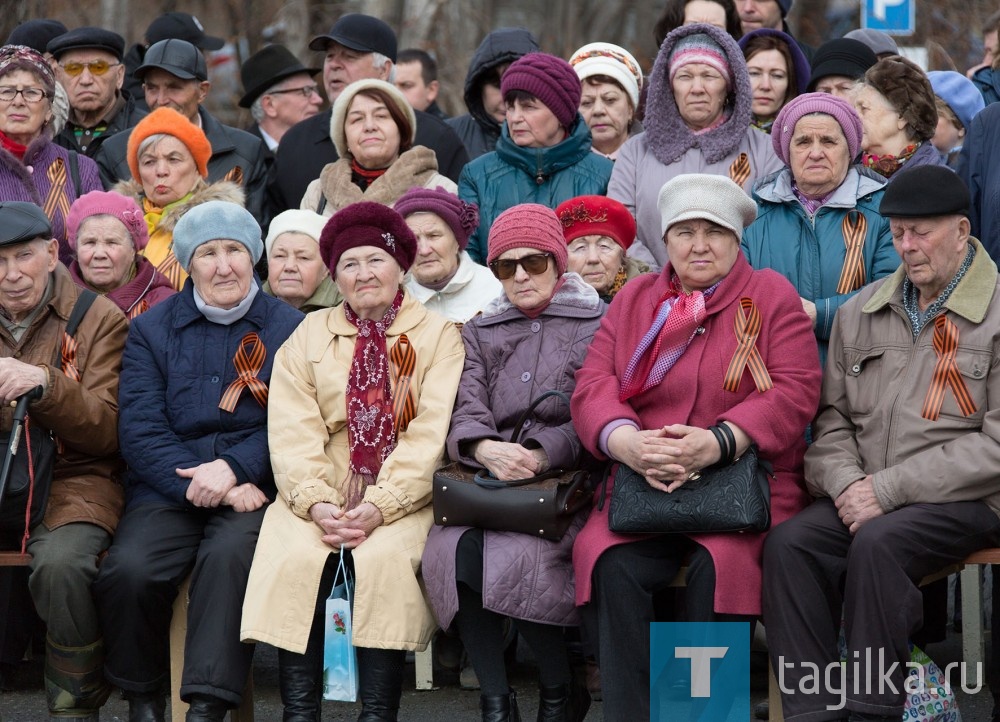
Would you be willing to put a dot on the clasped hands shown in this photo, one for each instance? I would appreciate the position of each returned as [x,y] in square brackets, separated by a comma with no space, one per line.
[507,461]
[346,528]
[214,484]
[858,504]
[666,456]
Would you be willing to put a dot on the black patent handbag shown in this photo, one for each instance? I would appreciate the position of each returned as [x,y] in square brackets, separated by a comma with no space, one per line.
[731,498]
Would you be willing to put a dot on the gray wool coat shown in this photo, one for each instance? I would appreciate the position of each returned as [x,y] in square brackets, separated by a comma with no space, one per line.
[510,360]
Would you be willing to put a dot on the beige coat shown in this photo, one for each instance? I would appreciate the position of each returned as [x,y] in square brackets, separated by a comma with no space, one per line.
[307,433]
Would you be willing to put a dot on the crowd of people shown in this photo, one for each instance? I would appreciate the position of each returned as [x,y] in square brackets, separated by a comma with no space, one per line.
[253,349]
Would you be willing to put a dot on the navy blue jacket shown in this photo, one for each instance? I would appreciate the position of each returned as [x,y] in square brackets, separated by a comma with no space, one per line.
[978,166]
[176,367]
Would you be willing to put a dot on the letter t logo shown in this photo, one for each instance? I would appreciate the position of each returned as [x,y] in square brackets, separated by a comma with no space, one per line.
[701,666]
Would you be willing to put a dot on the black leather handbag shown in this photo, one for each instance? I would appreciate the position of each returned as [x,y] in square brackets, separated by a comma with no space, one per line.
[542,505]
[731,498]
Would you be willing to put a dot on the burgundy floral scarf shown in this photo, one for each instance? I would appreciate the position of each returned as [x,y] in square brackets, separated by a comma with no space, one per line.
[371,432]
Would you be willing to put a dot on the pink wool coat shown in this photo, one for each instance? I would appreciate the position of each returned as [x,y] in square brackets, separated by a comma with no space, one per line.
[692,393]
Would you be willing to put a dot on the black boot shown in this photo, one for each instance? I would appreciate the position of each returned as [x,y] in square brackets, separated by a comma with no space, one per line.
[380,683]
[300,681]
[206,708]
[500,708]
[146,707]
[564,703]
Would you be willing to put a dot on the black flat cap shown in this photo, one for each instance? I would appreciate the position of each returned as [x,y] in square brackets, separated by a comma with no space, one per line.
[363,33]
[925,191]
[177,57]
[181,26]
[86,38]
[267,67]
[21,222]
[36,34]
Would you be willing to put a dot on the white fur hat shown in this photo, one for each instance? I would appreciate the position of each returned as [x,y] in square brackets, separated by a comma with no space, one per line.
[713,198]
[613,61]
[343,102]
[294,221]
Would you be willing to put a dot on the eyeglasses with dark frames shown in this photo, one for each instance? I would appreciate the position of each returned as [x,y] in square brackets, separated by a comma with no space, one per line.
[533,264]
[31,95]
[306,91]
[96,67]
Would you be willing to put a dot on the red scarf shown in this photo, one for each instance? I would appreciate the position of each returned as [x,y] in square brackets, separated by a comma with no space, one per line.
[886,165]
[371,431]
[365,175]
[13,147]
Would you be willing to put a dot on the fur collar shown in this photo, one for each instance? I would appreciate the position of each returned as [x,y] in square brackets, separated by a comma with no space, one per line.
[414,168]
[666,133]
[575,299]
[203,192]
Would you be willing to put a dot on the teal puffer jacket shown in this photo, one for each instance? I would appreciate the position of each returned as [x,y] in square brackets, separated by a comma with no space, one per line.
[511,175]
[809,251]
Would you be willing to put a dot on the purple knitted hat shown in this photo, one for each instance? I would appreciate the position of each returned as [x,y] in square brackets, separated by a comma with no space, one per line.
[550,79]
[528,225]
[462,218]
[832,105]
[367,224]
[101,203]
[699,48]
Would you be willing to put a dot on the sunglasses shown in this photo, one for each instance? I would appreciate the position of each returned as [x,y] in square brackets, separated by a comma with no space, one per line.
[533,264]
[96,67]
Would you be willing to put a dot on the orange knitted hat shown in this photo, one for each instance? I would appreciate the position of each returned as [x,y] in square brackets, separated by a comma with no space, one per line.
[169,122]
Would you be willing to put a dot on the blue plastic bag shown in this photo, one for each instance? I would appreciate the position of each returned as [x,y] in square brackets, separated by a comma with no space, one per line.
[340,661]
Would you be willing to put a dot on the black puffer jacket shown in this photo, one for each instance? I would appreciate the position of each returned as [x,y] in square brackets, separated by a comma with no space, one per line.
[477,128]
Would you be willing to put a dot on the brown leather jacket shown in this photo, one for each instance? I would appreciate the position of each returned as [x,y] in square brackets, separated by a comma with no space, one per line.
[83,415]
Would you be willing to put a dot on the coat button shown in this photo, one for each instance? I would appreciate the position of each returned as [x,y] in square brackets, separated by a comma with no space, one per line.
[215,379]
[977,372]
[856,369]
[535,327]
[527,424]
[526,377]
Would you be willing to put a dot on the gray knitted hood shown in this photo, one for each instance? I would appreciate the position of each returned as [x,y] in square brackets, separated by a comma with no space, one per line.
[666,133]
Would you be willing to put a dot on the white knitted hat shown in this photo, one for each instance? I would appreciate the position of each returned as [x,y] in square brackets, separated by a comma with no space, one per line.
[295,221]
[613,61]
[710,197]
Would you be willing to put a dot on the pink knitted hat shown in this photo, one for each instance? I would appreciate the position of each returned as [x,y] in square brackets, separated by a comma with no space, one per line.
[700,48]
[550,79]
[838,108]
[528,225]
[101,203]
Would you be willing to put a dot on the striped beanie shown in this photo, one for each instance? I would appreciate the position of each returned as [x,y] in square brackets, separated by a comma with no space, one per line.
[699,48]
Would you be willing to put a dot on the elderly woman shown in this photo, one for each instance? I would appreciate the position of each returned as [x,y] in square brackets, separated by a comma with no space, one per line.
[192,422]
[543,155]
[443,276]
[657,414]
[32,167]
[361,399]
[598,231]
[721,13]
[611,80]
[697,121]
[818,222]
[372,128]
[168,157]
[107,232]
[544,322]
[838,65]
[296,272]
[896,104]
[778,72]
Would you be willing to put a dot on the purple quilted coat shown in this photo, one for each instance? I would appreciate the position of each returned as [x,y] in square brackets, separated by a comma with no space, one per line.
[511,359]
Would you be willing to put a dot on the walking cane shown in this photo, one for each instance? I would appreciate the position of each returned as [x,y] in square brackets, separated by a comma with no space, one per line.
[20,411]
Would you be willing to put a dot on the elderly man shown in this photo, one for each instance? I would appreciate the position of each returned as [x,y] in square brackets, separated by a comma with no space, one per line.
[174,74]
[357,46]
[757,14]
[904,462]
[89,66]
[79,406]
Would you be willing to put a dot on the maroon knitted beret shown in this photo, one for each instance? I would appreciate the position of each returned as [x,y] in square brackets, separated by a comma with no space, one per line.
[367,224]
[462,218]
[550,79]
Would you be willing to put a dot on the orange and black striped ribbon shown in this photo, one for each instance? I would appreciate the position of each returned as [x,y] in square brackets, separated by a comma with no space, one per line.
[171,268]
[138,309]
[249,360]
[404,358]
[747,324]
[56,197]
[739,171]
[852,275]
[235,175]
[69,367]
[946,373]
